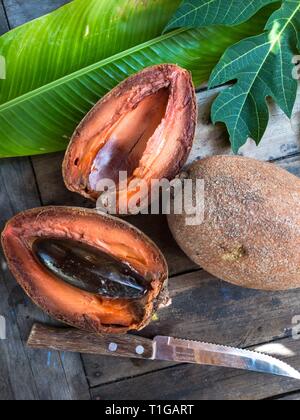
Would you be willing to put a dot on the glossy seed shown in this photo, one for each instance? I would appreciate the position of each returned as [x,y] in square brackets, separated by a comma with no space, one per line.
[89,269]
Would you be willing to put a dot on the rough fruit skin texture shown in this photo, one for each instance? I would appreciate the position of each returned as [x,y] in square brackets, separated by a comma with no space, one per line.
[251,233]
[66,303]
[167,148]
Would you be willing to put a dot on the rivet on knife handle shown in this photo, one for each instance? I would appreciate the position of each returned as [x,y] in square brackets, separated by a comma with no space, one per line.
[76,341]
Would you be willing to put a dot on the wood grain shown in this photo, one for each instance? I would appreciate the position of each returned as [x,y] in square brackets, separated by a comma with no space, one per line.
[281,139]
[294,396]
[3,22]
[22,11]
[45,375]
[76,341]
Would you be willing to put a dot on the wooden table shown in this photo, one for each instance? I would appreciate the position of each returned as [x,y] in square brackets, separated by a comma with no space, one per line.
[204,308]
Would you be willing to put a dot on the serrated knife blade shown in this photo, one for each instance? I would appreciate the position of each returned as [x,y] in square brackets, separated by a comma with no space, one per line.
[185,351]
[161,348]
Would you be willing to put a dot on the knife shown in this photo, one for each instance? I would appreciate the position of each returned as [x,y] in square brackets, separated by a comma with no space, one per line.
[160,348]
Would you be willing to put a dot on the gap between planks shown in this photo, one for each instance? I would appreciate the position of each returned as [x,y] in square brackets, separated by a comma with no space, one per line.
[290,396]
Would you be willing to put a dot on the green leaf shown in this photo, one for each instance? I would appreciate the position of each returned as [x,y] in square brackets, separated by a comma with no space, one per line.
[43,119]
[75,36]
[263,67]
[199,13]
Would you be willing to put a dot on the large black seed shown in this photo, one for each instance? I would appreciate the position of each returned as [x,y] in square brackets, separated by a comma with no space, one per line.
[89,269]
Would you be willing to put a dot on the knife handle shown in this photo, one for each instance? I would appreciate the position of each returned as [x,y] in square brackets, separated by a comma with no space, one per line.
[76,341]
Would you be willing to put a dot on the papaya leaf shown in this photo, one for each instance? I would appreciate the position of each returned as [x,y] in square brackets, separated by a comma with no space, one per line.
[199,13]
[43,119]
[263,67]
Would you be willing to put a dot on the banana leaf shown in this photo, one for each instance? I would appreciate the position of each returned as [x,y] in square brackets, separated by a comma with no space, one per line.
[43,119]
[76,35]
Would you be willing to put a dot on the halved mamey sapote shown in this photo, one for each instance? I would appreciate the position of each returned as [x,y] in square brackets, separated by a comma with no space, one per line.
[251,230]
[89,270]
[144,127]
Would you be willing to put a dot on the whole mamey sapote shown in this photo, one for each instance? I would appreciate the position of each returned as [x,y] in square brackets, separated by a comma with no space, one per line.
[250,235]
[144,127]
[89,270]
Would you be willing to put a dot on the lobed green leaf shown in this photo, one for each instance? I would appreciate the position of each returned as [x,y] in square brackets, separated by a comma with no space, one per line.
[200,13]
[42,119]
[263,67]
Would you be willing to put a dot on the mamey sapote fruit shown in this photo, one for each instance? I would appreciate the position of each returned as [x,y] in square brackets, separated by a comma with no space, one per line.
[145,127]
[250,235]
[89,270]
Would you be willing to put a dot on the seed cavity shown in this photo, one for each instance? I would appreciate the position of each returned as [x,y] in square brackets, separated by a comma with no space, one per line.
[127,142]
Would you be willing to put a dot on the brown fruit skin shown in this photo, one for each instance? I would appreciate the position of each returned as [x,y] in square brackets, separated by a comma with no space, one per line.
[251,233]
[66,303]
[178,131]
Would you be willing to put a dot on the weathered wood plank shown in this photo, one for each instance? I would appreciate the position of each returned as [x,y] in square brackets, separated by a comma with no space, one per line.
[72,340]
[291,165]
[186,382]
[48,169]
[14,358]
[46,376]
[3,22]
[27,374]
[203,309]
[282,137]
[20,12]
[15,369]
[295,396]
